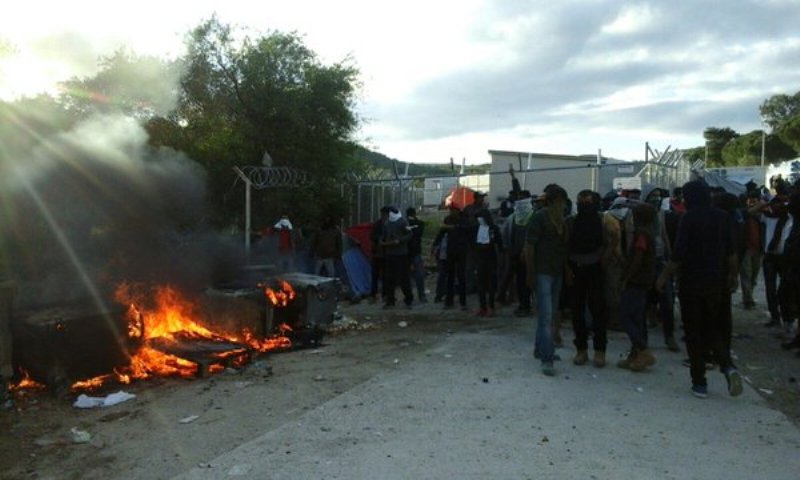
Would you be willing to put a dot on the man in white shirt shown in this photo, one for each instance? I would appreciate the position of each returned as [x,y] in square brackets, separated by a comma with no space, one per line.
[778,224]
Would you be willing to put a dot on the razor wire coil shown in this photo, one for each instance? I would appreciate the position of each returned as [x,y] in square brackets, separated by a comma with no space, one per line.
[272,177]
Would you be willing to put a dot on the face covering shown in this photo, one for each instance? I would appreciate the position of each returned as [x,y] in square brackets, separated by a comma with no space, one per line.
[394,216]
[284,223]
[481,221]
[522,208]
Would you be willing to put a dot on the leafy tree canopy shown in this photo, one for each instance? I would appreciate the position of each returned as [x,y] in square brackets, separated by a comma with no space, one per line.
[745,150]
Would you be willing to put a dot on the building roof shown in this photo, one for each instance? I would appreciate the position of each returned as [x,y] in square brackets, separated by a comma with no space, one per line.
[554,156]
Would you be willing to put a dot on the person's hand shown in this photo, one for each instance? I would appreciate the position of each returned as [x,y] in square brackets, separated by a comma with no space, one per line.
[511,169]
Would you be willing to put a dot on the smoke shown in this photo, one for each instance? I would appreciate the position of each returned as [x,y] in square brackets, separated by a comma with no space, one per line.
[95,206]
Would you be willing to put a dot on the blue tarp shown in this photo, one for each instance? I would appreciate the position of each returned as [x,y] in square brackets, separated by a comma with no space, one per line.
[358,271]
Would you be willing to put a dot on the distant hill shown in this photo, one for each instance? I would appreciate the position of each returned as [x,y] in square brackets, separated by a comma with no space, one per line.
[385,164]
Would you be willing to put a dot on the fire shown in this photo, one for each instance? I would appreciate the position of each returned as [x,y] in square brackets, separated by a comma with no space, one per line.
[166,318]
[280,297]
[26,383]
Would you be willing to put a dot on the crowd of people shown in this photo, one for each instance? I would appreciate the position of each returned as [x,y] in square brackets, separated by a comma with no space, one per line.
[617,261]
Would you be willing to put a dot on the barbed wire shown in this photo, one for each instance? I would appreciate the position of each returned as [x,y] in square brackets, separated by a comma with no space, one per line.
[272,177]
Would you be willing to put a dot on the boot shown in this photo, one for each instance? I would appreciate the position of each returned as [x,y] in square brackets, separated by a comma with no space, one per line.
[581,358]
[599,359]
[644,358]
[626,362]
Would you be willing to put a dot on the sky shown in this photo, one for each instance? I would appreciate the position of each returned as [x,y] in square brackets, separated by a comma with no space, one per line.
[448,79]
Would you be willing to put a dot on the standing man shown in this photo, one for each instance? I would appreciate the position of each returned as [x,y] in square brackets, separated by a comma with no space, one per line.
[750,265]
[417,228]
[394,240]
[378,254]
[586,249]
[516,228]
[546,255]
[288,238]
[777,225]
[706,262]
[326,247]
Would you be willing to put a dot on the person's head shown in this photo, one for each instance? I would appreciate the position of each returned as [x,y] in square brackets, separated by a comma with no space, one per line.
[555,195]
[654,198]
[385,212]
[779,205]
[478,198]
[726,201]
[635,194]
[644,215]
[587,202]
[696,194]
[753,198]
[411,212]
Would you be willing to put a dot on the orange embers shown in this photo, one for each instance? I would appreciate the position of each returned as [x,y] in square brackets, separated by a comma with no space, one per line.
[26,383]
[281,296]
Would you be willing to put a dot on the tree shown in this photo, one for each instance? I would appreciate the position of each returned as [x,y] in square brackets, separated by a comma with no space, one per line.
[778,109]
[716,139]
[745,150]
[240,99]
[789,133]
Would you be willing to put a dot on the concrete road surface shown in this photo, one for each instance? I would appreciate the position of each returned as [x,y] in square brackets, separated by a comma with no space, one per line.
[476,406]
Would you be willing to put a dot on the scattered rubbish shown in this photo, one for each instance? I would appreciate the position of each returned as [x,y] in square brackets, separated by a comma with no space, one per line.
[205,465]
[45,442]
[319,378]
[753,367]
[239,470]
[766,391]
[85,401]
[232,371]
[742,336]
[594,375]
[402,324]
[447,355]
[485,380]
[189,419]
[792,379]
[639,389]
[80,436]
[396,361]
[8,404]
[244,384]
[545,439]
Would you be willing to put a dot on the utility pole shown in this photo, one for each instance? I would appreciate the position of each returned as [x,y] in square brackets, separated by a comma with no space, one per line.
[763,146]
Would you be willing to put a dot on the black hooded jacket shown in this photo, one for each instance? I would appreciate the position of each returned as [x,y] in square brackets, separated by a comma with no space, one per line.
[705,240]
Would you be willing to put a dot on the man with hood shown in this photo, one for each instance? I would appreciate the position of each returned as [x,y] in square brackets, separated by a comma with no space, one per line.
[545,256]
[777,224]
[665,299]
[791,258]
[586,249]
[515,229]
[394,240]
[705,260]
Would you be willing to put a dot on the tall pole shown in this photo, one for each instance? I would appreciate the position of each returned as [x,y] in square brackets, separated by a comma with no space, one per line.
[247,224]
[763,144]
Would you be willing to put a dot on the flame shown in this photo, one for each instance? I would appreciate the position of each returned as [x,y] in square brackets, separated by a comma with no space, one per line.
[280,297]
[166,316]
[26,383]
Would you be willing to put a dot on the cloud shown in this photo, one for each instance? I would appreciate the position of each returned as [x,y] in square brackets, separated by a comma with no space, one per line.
[678,67]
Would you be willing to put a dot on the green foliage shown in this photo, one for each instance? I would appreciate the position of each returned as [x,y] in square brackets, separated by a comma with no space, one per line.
[268,94]
[716,139]
[694,154]
[779,109]
[745,150]
[789,133]
[26,122]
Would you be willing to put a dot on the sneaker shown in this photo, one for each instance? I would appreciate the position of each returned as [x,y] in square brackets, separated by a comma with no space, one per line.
[642,360]
[672,345]
[581,358]
[734,379]
[700,391]
[548,369]
[599,359]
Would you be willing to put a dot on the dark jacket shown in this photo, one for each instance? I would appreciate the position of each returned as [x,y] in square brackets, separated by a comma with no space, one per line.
[396,231]
[415,243]
[327,243]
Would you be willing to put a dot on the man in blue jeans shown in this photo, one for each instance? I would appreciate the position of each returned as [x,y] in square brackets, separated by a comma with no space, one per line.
[546,256]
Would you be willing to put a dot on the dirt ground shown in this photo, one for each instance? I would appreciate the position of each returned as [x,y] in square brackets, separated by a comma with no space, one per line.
[145,438]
